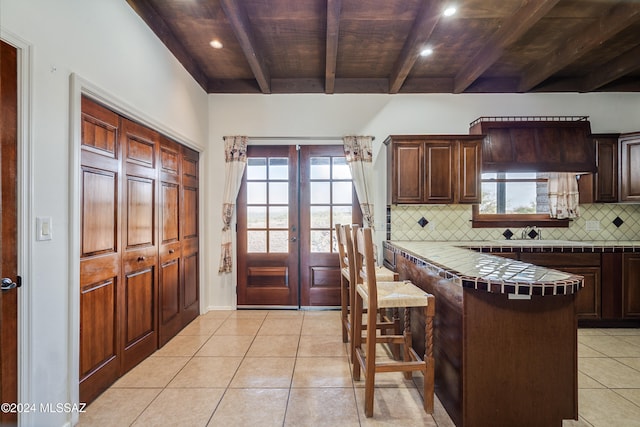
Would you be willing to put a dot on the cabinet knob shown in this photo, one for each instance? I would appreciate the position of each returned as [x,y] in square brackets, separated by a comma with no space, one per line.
[171,251]
[140,258]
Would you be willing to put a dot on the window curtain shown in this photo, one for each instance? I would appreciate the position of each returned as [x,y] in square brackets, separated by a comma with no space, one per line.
[563,195]
[359,155]
[235,154]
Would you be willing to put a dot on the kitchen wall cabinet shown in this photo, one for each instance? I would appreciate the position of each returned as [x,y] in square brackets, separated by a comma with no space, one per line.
[618,176]
[605,179]
[602,186]
[433,169]
[138,275]
[630,167]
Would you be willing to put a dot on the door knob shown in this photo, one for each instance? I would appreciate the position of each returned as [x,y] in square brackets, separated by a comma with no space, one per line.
[10,284]
[294,239]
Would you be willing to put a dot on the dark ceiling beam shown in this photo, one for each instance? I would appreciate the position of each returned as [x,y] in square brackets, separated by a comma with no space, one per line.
[626,63]
[239,20]
[334,7]
[158,25]
[615,20]
[511,29]
[426,20]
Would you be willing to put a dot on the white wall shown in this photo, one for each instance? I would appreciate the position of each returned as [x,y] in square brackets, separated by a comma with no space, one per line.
[108,45]
[380,116]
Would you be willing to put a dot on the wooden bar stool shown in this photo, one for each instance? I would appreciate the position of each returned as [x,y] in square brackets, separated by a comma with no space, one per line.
[348,276]
[372,295]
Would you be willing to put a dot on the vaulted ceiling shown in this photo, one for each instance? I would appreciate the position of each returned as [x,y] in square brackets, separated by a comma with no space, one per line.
[374,46]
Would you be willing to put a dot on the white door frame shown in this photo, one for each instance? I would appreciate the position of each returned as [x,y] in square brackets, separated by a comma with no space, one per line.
[25,215]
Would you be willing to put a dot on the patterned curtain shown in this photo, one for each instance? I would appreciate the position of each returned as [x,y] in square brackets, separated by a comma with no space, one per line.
[563,195]
[359,154]
[235,153]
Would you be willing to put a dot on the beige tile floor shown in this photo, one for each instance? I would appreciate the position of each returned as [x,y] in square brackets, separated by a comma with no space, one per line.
[290,368]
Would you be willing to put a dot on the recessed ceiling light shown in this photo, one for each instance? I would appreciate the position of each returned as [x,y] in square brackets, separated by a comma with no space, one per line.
[216,44]
[426,51]
[451,10]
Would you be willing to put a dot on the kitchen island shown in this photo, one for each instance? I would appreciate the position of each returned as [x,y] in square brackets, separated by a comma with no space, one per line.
[505,341]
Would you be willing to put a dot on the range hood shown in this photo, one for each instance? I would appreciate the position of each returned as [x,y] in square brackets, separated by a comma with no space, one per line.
[536,143]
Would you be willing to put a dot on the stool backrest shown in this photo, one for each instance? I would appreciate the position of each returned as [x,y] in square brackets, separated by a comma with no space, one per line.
[365,262]
[345,249]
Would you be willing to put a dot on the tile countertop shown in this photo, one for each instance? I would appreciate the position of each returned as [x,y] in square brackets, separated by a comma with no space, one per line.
[560,246]
[484,272]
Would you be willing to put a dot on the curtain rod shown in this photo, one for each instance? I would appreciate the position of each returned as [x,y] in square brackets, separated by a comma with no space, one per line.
[297,138]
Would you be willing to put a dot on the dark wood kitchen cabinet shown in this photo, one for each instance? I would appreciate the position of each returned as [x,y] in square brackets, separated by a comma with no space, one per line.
[631,285]
[630,167]
[588,299]
[433,169]
[602,186]
[605,180]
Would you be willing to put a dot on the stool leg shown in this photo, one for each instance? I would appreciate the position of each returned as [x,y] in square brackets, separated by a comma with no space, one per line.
[429,372]
[370,369]
[407,340]
[344,313]
[395,350]
[356,334]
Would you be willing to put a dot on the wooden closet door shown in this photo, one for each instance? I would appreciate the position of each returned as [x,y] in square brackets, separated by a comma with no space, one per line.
[100,278]
[170,253]
[190,236]
[140,243]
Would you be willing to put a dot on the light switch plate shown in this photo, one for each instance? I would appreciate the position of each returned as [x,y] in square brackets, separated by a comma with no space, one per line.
[44,228]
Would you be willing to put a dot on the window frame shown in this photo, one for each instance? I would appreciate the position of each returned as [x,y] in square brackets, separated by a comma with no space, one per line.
[543,220]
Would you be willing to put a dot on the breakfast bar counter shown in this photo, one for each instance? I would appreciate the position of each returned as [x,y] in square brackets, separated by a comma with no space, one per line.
[505,333]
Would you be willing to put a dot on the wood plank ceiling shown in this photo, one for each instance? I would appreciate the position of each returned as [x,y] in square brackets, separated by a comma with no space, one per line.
[373,46]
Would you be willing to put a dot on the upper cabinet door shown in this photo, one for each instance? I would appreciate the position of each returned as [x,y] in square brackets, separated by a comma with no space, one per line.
[469,166]
[630,167]
[408,172]
[441,171]
[606,177]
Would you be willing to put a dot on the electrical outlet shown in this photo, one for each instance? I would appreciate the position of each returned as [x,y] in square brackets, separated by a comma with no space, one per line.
[592,225]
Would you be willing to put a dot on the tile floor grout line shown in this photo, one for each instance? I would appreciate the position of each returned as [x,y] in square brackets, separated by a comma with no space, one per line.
[226,389]
[295,362]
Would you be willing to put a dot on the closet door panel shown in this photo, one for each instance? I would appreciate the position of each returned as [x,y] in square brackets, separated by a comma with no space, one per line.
[100,266]
[140,318]
[139,298]
[170,291]
[170,284]
[189,236]
[140,212]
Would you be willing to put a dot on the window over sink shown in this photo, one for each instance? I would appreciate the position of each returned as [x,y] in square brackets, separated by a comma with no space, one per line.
[514,199]
[514,193]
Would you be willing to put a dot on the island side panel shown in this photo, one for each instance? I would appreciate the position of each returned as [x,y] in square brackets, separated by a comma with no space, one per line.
[520,360]
[447,340]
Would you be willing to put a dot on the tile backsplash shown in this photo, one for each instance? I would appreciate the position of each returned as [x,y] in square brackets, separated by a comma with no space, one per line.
[453,222]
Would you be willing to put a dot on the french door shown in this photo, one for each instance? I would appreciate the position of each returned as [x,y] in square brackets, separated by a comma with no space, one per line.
[289,202]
